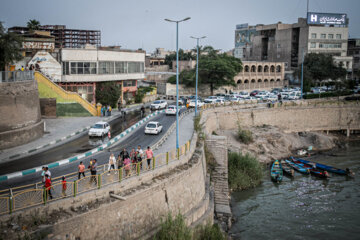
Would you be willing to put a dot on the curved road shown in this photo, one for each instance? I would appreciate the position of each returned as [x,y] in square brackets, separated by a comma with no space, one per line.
[132,141]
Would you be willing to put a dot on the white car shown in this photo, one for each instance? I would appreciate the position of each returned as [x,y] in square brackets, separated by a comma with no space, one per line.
[171,110]
[100,129]
[192,103]
[270,97]
[209,100]
[262,94]
[219,101]
[244,94]
[158,104]
[153,128]
[294,95]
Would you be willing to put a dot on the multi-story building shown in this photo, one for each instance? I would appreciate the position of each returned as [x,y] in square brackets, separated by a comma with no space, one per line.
[318,33]
[64,37]
[354,51]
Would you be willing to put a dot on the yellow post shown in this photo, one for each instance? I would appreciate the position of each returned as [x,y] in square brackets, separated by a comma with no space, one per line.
[98,108]
[167,158]
[178,153]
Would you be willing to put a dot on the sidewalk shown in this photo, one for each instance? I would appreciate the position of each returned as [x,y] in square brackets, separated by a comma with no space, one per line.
[56,132]
[186,129]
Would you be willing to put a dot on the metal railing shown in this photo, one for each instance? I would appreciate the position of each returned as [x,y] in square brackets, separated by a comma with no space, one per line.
[16,76]
[24,197]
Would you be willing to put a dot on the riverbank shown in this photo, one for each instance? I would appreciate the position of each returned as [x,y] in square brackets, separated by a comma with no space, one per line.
[271,142]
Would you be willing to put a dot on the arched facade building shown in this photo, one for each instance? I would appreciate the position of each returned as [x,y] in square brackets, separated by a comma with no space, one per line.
[261,75]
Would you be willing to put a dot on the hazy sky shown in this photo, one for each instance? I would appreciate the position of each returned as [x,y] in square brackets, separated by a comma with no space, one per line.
[137,24]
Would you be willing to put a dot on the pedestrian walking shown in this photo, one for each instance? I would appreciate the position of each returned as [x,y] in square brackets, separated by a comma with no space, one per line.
[64,186]
[139,155]
[142,110]
[43,174]
[48,187]
[124,153]
[127,166]
[93,169]
[47,172]
[81,170]
[112,161]
[133,158]
[102,111]
[110,109]
[280,98]
[119,162]
[149,155]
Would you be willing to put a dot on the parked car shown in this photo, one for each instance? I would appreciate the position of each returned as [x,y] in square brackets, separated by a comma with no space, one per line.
[261,94]
[270,97]
[284,95]
[158,104]
[294,95]
[253,93]
[234,99]
[192,103]
[219,101]
[243,94]
[100,129]
[209,101]
[153,128]
[171,110]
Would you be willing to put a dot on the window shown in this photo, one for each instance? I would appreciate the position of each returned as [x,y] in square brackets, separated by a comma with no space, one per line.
[313,35]
[323,36]
[65,69]
[313,45]
[338,36]
[73,68]
[120,67]
[331,36]
[106,67]
[130,83]
[356,59]
[329,45]
[135,67]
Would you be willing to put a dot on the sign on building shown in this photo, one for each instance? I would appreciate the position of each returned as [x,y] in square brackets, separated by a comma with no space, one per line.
[38,45]
[327,18]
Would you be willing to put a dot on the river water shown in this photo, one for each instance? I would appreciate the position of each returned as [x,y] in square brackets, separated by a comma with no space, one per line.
[305,207]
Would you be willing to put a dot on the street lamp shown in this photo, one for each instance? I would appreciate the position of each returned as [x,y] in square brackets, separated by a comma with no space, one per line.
[177,77]
[197,70]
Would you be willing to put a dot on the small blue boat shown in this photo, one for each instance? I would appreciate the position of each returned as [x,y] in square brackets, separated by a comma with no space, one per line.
[325,167]
[276,171]
[297,167]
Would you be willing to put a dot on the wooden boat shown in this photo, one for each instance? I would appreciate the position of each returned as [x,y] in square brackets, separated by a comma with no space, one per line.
[327,168]
[312,168]
[287,169]
[298,167]
[276,171]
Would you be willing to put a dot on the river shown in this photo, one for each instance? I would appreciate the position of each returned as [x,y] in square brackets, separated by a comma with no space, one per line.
[305,207]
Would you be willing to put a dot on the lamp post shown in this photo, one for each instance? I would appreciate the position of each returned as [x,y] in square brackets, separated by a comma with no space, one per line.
[302,73]
[177,77]
[197,70]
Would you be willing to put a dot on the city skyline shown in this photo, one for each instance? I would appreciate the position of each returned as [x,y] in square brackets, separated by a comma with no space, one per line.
[140,24]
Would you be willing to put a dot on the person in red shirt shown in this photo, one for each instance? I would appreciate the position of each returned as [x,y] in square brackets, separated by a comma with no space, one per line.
[48,186]
[64,186]
[81,170]
[149,155]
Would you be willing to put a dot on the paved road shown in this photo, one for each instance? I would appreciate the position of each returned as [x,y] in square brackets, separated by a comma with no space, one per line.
[136,138]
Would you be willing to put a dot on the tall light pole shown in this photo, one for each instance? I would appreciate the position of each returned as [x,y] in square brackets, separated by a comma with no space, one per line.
[177,77]
[302,73]
[197,70]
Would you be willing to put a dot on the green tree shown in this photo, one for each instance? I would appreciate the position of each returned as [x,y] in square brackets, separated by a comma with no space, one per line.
[108,93]
[182,56]
[319,67]
[33,24]
[10,48]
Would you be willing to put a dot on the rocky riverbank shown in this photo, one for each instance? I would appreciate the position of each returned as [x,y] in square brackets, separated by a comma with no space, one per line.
[271,142]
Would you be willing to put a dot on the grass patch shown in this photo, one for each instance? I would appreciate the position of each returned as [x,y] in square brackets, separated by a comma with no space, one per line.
[71,110]
[210,160]
[244,136]
[198,127]
[176,229]
[244,171]
[46,92]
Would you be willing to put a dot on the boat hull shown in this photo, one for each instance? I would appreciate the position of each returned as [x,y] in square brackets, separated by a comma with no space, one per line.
[324,167]
[276,172]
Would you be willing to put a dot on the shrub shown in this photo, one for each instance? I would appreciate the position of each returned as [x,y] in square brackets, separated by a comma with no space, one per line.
[244,171]
[244,136]
[173,229]
[208,232]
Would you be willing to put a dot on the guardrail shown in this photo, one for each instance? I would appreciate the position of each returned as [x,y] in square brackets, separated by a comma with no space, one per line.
[16,76]
[10,202]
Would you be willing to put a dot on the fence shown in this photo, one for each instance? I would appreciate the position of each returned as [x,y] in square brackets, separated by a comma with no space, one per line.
[16,76]
[22,197]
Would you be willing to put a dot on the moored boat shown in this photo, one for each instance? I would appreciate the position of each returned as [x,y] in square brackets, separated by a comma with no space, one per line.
[287,169]
[326,167]
[276,171]
[312,168]
[298,167]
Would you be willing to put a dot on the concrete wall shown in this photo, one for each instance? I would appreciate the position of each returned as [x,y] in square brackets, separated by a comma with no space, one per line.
[181,186]
[291,119]
[20,119]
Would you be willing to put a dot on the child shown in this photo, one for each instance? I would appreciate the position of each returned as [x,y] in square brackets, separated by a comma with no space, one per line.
[64,186]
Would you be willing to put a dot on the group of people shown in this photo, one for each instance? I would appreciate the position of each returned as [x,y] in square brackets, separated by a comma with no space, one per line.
[126,159]
[106,111]
[46,180]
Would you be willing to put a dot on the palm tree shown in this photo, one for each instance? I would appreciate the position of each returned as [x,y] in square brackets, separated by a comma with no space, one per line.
[10,48]
[33,24]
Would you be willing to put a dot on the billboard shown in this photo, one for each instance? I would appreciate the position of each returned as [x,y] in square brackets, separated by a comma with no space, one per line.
[326,18]
[244,37]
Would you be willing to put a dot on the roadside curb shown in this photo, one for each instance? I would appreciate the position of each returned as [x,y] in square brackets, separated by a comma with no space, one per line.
[83,155]
[33,150]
